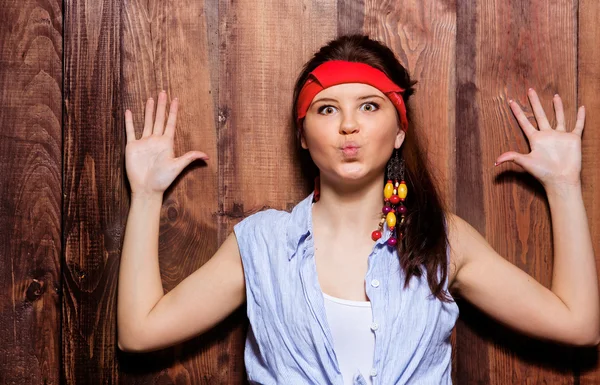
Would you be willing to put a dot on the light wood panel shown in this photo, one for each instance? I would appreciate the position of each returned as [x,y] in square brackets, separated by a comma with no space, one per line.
[502,50]
[587,363]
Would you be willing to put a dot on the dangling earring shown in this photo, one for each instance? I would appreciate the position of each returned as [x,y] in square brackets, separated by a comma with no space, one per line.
[394,194]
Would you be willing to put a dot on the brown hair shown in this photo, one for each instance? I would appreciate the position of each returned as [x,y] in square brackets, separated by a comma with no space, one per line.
[425,238]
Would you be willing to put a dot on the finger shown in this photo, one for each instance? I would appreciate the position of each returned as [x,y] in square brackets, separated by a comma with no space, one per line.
[580,121]
[560,114]
[170,129]
[129,130]
[538,111]
[525,124]
[511,156]
[148,118]
[187,158]
[159,123]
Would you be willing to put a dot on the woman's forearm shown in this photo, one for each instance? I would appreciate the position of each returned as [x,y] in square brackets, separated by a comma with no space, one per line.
[574,277]
[140,286]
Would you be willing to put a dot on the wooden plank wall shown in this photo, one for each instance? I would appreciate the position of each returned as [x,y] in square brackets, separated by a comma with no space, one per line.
[68,71]
[31,129]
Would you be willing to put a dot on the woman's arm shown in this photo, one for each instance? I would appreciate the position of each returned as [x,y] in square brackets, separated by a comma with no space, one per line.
[574,278]
[568,312]
[146,318]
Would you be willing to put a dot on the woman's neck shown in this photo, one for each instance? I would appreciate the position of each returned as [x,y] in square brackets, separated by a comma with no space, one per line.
[342,212]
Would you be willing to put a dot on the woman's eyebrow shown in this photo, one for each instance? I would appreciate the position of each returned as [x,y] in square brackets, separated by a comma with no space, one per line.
[324,100]
[334,100]
[368,97]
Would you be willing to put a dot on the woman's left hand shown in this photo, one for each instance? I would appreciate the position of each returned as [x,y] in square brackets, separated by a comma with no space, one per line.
[555,157]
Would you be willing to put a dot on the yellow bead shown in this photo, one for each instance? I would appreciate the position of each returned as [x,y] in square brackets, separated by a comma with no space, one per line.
[391,219]
[388,190]
[402,190]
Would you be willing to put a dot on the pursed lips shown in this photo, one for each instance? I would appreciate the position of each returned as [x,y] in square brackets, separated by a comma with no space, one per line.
[350,149]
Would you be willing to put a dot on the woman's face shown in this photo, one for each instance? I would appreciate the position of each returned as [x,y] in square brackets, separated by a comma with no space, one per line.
[350,131]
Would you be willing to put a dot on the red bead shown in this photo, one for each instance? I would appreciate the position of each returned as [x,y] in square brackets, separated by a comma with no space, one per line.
[392,241]
[389,181]
[392,228]
[386,209]
[402,209]
[386,200]
[376,235]
[394,199]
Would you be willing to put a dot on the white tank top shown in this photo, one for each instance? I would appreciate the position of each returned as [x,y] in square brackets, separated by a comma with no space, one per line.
[351,324]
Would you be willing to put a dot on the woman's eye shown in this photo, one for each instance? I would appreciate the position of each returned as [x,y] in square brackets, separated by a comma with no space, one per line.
[370,106]
[326,110]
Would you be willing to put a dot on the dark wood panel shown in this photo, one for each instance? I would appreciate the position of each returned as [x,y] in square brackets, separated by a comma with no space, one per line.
[350,16]
[502,50]
[587,364]
[30,190]
[95,200]
[468,196]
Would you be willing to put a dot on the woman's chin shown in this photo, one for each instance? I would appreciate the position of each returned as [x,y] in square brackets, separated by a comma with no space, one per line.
[351,172]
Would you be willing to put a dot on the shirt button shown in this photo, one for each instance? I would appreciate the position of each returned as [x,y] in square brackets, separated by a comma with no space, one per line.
[373,372]
[375,283]
[374,326]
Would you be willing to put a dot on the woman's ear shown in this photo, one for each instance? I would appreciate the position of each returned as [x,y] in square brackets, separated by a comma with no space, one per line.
[303,141]
[399,138]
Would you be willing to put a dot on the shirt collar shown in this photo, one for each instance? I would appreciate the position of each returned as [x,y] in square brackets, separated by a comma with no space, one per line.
[300,226]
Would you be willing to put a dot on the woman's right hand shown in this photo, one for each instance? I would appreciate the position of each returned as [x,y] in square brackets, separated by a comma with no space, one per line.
[150,161]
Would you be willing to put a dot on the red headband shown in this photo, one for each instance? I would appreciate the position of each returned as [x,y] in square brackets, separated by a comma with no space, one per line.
[336,72]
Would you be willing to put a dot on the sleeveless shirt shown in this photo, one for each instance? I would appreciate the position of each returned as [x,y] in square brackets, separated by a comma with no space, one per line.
[288,339]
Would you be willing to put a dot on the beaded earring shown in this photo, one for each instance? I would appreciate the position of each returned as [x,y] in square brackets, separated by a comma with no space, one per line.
[394,194]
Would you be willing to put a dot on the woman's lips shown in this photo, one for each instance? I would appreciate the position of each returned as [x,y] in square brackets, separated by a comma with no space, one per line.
[350,150]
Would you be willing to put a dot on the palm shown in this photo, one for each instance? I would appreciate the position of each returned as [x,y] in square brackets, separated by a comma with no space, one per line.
[150,161]
[555,156]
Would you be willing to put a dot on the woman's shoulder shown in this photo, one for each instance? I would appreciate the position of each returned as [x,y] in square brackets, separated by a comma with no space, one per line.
[265,220]
[271,219]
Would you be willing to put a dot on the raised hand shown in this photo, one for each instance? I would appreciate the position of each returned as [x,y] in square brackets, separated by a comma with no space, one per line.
[555,157]
[150,161]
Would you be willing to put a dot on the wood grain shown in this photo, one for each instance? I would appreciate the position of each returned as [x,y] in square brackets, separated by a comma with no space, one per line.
[502,50]
[30,190]
[423,35]
[64,197]
[166,46]
[587,362]
[95,200]
[263,47]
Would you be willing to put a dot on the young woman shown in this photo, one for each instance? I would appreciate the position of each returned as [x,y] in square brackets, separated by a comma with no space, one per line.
[353,286]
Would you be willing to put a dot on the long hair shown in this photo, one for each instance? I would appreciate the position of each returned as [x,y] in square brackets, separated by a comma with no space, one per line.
[425,239]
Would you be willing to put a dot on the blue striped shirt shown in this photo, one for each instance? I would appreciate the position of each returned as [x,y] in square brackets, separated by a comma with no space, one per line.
[289,340]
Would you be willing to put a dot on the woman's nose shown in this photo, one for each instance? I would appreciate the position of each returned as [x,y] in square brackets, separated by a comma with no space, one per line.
[348,124]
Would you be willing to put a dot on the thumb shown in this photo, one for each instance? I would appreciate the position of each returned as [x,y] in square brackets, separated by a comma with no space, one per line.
[184,160]
[512,156]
